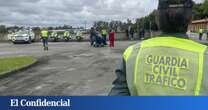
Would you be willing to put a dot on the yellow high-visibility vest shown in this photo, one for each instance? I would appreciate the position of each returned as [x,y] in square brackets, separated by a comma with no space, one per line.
[44,33]
[66,34]
[104,32]
[167,66]
[200,30]
[79,34]
[54,34]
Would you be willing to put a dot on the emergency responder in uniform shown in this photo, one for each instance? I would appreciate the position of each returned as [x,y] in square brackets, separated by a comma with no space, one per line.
[44,37]
[166,65]
[92,36]
[200,34]
[55,36]
[104,36]
[66,35]
[79,36]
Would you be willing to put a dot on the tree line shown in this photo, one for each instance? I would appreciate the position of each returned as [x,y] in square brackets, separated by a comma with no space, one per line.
[200,11]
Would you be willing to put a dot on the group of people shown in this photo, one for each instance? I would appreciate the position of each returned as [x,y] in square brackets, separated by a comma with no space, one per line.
[99,38]
[130,33]
[45,36]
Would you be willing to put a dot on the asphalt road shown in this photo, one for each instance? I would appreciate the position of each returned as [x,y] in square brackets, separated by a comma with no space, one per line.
[67,69]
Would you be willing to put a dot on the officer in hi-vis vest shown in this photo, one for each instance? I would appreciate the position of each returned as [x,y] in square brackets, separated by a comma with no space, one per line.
[44,37]
[166,65]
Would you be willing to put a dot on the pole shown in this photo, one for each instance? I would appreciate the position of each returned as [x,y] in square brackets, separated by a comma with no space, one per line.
[150,29]
[85,23]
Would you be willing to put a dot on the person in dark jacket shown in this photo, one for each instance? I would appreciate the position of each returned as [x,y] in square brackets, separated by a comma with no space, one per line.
[131,33]
[92,36]
[127,33]
[98,39]
[141,34]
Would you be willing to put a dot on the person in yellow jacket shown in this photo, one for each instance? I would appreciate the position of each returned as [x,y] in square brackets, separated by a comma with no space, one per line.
[167,65]
[66,35]
[44,37]
[79,36]
[104,34]
[55,36]
[200,34]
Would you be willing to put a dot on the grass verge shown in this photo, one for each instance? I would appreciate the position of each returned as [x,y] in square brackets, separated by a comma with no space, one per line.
[9,64]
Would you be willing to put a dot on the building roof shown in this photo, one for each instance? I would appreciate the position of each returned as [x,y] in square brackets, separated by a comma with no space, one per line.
[200,21]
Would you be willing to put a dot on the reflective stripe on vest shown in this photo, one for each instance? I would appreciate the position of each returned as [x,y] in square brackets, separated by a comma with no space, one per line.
[129,56]
[127,52]
[161,77]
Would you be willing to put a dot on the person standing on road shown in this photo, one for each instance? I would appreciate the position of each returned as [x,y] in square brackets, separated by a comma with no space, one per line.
[169,64]
[66,35]
[104,37]
[44,37]
[112,38]
[127,33]
[54,36]
[141,34]
[92,36]
[98,38]
[79,36]
[200,34]
[132,33]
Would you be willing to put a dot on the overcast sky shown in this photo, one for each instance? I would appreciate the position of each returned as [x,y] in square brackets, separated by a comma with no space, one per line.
[71,12]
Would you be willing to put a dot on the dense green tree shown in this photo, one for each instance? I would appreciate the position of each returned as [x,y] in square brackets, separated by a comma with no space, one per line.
[200,11]
[205,8]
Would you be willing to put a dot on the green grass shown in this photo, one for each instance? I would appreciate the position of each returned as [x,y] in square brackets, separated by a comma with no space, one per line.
[12,63]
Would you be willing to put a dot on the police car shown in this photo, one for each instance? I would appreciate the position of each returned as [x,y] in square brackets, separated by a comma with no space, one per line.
[23,36]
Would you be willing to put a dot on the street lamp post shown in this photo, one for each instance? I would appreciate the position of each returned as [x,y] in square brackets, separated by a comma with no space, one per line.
[150,23]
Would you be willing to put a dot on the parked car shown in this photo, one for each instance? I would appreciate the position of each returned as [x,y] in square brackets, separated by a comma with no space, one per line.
[24,36]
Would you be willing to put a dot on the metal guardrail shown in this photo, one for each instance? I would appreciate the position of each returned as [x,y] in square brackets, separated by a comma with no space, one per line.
[195,37]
